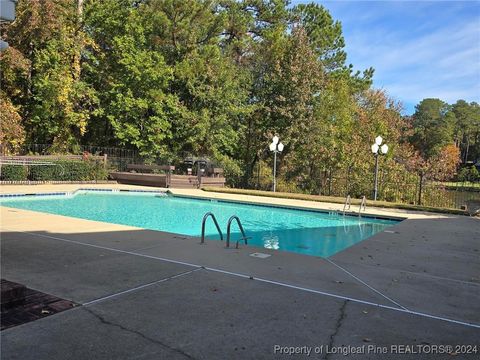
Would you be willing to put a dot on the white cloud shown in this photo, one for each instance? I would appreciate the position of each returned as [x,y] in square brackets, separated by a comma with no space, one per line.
[444,63]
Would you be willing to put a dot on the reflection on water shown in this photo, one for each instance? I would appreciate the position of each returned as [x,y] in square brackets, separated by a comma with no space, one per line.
[270,242]
[319,241]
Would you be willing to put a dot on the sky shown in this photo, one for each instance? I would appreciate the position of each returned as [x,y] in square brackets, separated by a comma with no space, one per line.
[419,49]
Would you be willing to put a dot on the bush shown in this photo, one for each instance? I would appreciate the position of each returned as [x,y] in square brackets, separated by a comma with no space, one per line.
[69,170]
[232,171]
[14,173]
[469,174]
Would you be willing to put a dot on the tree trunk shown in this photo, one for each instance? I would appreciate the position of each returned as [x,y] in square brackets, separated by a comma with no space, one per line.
[466,151]
[76,63]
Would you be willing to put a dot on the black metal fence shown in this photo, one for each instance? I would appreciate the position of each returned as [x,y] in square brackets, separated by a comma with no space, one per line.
[46,149]
[408,189]
[397,187]
[118,158]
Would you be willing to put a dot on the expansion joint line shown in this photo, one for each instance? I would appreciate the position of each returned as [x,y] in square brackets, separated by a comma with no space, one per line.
[140,287]
[364,283]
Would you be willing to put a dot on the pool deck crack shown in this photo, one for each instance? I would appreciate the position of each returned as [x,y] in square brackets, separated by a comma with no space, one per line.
[138,333]
[340,319]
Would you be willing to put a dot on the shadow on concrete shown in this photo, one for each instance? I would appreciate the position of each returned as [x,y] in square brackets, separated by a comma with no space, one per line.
[163,310]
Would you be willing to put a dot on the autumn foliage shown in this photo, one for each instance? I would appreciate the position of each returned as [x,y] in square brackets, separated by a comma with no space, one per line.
[170,79]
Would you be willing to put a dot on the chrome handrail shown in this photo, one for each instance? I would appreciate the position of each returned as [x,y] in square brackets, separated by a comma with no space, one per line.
[205,217]
[244,237]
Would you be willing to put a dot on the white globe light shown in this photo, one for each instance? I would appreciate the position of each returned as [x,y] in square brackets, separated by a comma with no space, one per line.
[384,148]
[275,139]
[272,146]
[375,148]
[280,147]
[378,140]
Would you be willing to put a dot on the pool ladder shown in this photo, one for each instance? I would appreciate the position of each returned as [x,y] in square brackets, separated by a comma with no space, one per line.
[244,237]
[205,217]
[229,224]
[348,203]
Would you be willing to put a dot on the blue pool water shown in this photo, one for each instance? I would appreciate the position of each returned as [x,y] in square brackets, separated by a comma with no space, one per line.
[305,232]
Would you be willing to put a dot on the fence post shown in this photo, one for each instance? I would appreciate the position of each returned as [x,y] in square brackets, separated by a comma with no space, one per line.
[168,180]
[104,161]
[199,175]
[420,189]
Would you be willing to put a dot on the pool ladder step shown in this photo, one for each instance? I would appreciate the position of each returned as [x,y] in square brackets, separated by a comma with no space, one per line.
[229,224]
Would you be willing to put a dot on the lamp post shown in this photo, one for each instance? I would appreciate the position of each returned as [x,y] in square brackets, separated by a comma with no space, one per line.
[276,146]
[378,149]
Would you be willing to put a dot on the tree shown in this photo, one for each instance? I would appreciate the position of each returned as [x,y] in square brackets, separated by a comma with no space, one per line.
[443,166]
[133,78]
[52,99]
[12,133]
[104,21]
[433,126]
[321,149]
[467,125]
[324,34]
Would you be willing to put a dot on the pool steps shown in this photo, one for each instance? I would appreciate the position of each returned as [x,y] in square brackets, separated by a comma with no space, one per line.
[348,203]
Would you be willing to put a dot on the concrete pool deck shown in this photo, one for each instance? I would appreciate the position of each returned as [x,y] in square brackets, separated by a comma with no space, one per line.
[151,295]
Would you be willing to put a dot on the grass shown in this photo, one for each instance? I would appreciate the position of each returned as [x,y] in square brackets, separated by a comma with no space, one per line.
[467,185]
[335,200]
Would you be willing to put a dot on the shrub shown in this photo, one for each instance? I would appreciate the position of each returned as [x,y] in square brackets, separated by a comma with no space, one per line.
[14,173]
[42,172]
[12,133]
[69,170]
[232,171]
[469,174]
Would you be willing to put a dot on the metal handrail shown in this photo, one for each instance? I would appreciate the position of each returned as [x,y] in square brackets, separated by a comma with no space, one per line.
[244,237]
[205,217]
[348,201]
[362,204]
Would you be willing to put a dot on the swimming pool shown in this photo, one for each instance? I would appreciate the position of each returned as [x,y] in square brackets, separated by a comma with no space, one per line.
[301,231]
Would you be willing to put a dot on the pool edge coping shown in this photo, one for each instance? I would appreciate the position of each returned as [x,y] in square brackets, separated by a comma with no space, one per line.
[291,207]
[381,213]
